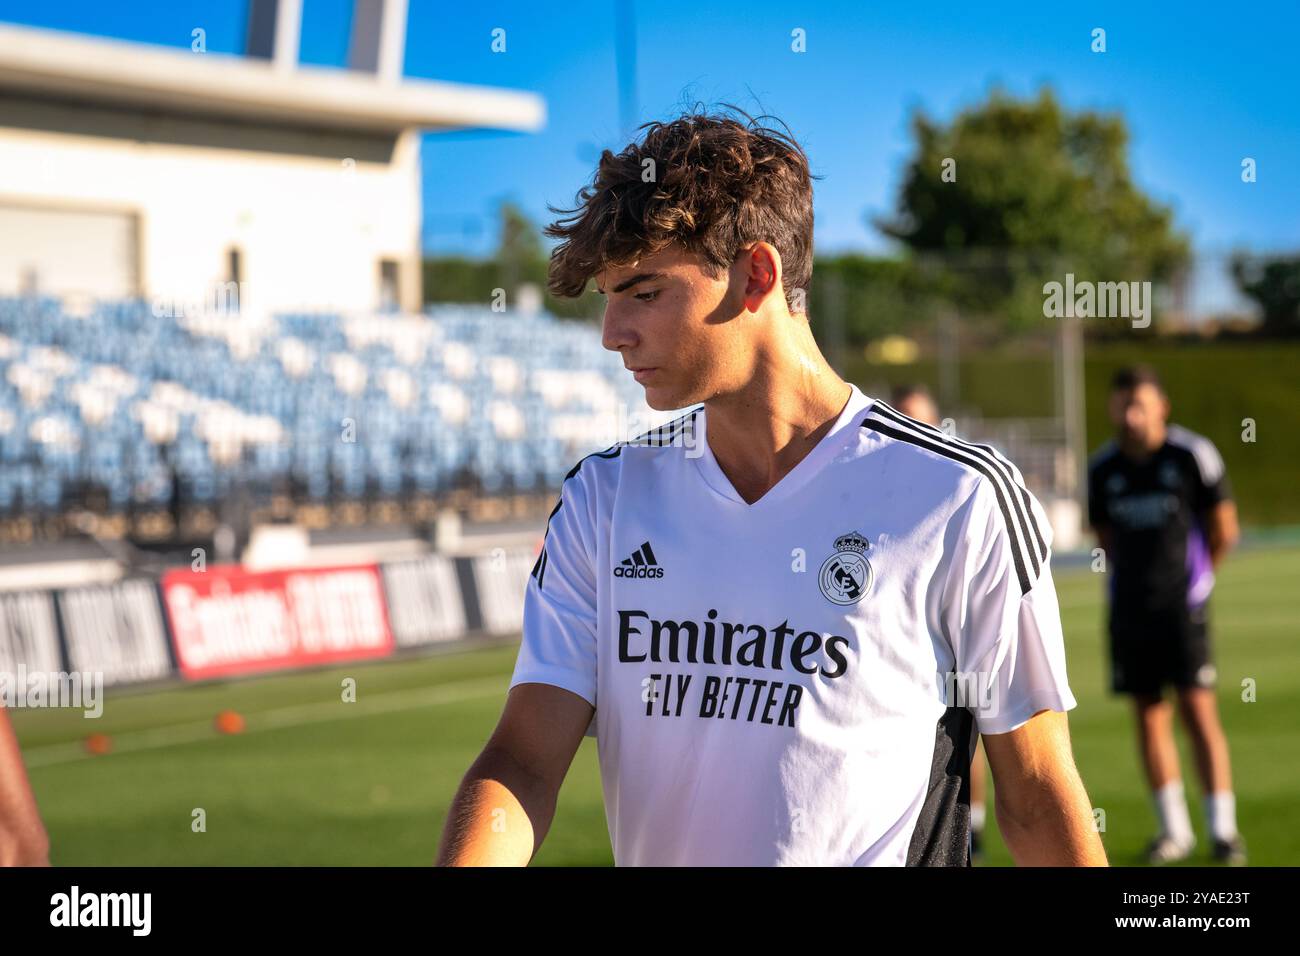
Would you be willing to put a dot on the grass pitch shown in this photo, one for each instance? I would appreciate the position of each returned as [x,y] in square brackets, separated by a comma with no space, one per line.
[316,781]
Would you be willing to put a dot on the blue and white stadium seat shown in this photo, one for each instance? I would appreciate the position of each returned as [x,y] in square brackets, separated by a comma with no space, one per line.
[113,396]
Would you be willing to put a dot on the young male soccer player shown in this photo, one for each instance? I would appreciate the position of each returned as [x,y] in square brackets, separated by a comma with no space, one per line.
[1158,499]
[786,615]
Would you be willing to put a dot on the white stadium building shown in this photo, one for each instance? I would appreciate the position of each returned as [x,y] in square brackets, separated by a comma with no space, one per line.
[137,171]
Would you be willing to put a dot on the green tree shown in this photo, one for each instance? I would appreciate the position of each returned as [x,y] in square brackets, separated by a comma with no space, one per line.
[1274,283]
[520,257]
[1014,193]
[519,251]
[860,298]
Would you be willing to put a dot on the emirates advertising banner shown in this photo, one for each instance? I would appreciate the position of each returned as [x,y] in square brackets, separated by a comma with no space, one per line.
[227,621]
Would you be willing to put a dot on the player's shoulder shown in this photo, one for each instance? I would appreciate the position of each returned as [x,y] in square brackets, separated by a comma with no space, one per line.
[1183,437]
[926,452]
[677,432]
[605,465]
[1201,450]
[967,475]
[589,487]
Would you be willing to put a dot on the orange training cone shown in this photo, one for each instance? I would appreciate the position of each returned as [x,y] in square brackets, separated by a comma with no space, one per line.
[229,722]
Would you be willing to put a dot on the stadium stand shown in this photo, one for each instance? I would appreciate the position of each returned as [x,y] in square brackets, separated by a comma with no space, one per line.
[116,410]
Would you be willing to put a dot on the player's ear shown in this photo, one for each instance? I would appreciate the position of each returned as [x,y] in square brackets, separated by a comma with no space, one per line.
[761,272]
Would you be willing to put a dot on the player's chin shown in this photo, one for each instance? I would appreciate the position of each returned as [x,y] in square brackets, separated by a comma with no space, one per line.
[655,401]
[667,393]
[660,397]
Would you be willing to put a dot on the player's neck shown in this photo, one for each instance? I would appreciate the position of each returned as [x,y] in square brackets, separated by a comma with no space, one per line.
[759,433]
[1141,450]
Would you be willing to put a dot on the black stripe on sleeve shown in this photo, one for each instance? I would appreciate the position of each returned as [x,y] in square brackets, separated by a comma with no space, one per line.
[1010,474]
[957,455]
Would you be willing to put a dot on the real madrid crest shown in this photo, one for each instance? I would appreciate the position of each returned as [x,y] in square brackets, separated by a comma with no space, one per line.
[846,575]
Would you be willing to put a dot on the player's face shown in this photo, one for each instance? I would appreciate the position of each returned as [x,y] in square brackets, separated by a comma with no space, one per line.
[1139,413]
[682,333]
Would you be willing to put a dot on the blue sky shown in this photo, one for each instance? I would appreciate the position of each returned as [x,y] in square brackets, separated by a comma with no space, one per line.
[1201,85]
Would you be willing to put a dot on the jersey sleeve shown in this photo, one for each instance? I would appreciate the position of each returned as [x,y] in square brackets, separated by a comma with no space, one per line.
[1211,478]
[560,617]
[1001,613]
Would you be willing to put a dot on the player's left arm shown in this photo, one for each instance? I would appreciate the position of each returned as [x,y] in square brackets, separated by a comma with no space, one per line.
[1222,530]
[1001,613]
[1213,501]
[1043,811]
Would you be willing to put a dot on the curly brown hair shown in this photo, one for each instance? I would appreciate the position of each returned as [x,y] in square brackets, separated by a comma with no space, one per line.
[715,184]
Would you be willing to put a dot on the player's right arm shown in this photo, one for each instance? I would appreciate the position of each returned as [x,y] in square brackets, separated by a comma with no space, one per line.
[507,800]
[23,841]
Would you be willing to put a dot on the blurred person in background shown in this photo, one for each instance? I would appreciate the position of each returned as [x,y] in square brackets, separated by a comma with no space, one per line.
[23,841]
[915,401]
[1160,504]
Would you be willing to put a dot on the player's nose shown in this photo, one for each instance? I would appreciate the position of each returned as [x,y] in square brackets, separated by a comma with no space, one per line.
[617,332]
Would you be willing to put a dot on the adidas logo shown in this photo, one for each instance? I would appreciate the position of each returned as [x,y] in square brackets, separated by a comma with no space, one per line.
[641,564]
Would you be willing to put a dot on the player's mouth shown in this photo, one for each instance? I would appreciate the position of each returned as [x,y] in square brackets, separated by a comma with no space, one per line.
[641,373]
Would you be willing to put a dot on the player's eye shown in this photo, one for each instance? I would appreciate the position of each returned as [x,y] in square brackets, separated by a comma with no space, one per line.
[647,296]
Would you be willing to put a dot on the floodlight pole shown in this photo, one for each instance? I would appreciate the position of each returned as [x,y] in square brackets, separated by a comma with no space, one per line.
[1070,397]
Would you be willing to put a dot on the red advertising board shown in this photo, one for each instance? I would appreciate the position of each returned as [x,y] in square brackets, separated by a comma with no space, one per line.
[226,620]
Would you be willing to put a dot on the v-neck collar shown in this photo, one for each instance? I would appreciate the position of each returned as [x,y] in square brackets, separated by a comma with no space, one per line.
[794,479]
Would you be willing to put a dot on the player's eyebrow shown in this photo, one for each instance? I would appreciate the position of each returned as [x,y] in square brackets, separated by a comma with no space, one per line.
[628,283]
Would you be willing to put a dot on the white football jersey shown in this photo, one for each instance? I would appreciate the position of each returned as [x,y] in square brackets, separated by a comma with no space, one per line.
[801,680]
